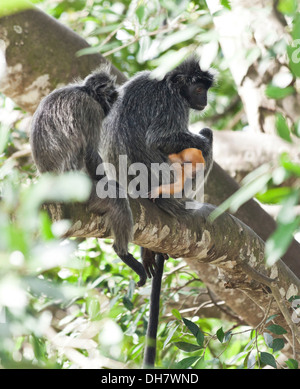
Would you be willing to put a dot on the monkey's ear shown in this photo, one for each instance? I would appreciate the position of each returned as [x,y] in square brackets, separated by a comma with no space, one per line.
[177,79]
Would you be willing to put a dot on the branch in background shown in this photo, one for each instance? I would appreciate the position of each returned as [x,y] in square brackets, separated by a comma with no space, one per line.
[240,152]
[236,35]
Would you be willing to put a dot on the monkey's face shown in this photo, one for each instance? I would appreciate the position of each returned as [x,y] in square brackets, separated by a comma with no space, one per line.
[196,95]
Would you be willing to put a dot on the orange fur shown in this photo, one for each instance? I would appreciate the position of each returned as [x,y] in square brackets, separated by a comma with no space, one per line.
[190,155]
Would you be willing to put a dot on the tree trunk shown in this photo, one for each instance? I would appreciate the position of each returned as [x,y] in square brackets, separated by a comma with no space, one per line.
[40,55]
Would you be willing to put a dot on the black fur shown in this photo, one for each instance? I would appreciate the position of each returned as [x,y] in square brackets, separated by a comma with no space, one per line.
[150,120]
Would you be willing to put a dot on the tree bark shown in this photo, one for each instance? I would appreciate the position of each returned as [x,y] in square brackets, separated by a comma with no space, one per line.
[38,55]
[226,253]
[227,246]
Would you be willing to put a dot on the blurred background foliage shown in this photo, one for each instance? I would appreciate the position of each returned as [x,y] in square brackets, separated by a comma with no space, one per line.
[72,303]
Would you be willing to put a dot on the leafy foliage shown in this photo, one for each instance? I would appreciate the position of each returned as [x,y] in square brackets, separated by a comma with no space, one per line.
[267,182]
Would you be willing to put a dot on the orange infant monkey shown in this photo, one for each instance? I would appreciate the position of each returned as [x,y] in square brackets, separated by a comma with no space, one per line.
[191,155]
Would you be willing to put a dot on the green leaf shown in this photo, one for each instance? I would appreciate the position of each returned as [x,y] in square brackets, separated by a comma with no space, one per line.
[250,360]
[227,336]
[131,289]
[186,362]
[274,195]
[140,13]
[200,338]
[278,243]
[287,214]
[93,308]
[295,297]
[278,344]
[293,52]
[297,128]
[45,228]
[276,329]
[191,326]
[220,334]
[144,45]
[39,347]
[275,92]
[271,318]
[296,26]
[169,337]
[195,330]
[188,347]
[268,339]
[288,7]
[226,4]
[201,364]
[176,313]
[252,184]
[127,302]
[292,363]
[8,7]
[4,135]
[288,165]
[283,128]
[268,359]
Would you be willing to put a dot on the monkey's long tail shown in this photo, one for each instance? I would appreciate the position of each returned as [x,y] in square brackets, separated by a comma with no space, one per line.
[150,351]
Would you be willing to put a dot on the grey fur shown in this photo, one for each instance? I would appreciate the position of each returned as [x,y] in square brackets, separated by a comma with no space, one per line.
[65,135]
[150,120]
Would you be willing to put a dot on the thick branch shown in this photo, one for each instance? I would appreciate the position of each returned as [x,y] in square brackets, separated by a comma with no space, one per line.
[40,55]
[227,244]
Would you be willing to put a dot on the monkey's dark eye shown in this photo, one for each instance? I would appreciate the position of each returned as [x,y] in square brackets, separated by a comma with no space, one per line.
[199,90]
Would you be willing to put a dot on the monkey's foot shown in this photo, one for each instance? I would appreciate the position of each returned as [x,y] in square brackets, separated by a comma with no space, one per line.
[142,281]
[136,266]
[149,264]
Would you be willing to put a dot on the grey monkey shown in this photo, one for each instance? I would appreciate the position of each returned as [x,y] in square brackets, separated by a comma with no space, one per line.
[66,134]
[149,121]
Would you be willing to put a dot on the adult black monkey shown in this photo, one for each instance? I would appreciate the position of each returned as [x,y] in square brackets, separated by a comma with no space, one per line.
[65,135]
[150,120]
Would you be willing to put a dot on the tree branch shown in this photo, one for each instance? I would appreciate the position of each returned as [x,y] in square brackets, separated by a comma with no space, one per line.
[239,152]
[40,55]
[227,243]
